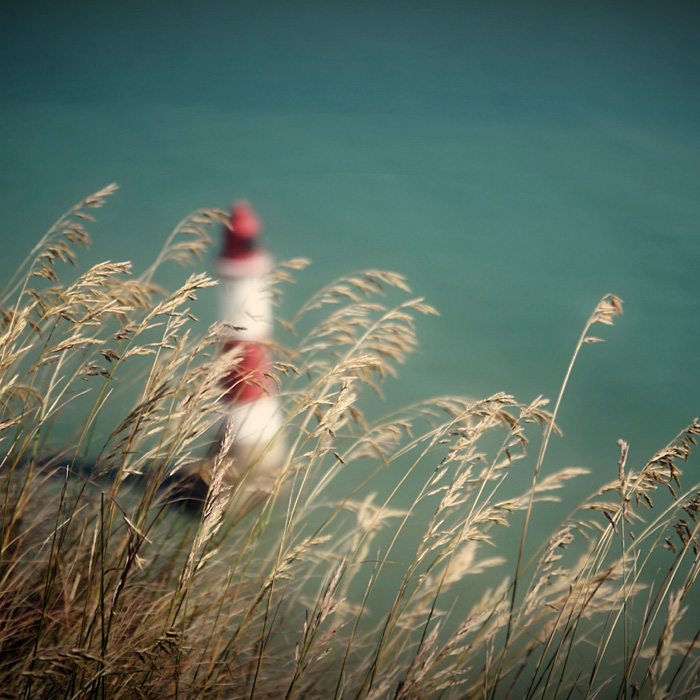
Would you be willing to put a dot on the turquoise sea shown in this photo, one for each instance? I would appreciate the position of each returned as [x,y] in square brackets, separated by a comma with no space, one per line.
[515,160]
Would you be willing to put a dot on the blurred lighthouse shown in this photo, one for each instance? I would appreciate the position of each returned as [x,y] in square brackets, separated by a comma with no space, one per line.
[257,453]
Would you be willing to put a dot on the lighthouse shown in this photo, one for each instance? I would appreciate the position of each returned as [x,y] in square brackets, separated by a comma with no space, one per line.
[251,401]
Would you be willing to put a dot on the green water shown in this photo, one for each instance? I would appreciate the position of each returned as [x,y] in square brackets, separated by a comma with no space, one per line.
[515,161]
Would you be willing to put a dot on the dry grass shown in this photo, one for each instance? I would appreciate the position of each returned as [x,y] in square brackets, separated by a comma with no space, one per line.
[109,590]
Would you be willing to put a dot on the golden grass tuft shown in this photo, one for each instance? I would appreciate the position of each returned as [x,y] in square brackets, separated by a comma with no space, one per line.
[376,568]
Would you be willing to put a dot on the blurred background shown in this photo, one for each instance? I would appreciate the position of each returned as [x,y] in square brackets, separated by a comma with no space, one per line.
[516,161]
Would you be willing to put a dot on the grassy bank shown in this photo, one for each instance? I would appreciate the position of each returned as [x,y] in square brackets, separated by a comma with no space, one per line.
[111,588]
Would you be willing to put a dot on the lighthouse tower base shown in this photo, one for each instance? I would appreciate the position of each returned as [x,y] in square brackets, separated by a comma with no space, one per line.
[256,458]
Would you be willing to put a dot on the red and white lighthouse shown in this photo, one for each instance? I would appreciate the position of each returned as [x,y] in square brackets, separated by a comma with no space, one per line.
[242,267]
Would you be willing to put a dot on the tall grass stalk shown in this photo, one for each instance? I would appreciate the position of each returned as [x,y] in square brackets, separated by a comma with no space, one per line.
[378,566]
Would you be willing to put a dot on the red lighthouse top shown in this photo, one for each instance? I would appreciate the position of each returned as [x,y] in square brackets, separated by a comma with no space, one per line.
[241,232]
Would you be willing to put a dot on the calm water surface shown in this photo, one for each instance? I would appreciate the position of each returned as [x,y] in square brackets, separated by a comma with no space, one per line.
[515,160]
